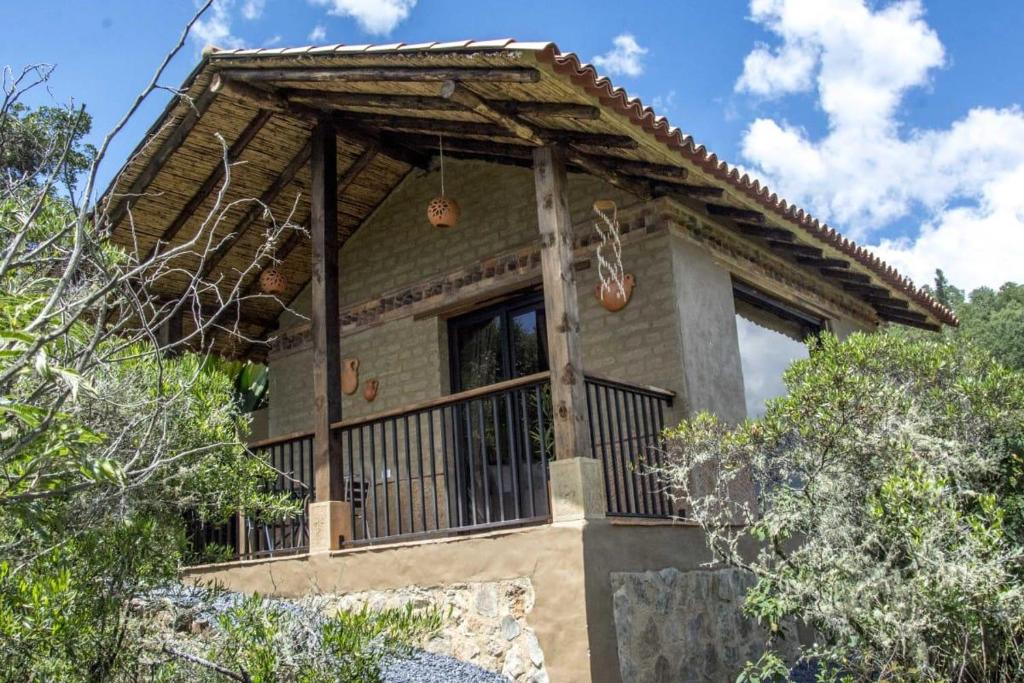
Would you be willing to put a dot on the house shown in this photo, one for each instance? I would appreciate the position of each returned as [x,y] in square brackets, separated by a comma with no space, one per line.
[461,409]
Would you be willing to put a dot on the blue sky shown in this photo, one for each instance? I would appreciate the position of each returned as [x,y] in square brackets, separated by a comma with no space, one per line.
[898,122]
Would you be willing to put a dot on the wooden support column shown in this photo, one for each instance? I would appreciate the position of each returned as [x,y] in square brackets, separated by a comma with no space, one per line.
[568,397]
[326,325]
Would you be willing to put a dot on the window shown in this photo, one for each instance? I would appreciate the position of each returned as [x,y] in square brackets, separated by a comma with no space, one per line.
[501,342]
[772,334]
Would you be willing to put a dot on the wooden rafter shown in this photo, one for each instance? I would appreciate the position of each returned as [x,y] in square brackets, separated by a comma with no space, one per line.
[823,262]
[213,180]
[745,215]
[163,153]
[431,102]
[765,231]
[798,248]
[845,274]
[362,74]
[269,196]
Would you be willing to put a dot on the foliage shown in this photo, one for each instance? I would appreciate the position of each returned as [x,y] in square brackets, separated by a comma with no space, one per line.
[991,319]
[881,505]
[265,640]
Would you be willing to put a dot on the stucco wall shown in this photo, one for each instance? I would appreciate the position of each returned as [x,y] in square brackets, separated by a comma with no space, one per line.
[549,558]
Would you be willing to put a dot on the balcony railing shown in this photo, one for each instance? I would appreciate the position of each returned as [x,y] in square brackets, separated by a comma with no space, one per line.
[626,421]
[467,462]
[470,461]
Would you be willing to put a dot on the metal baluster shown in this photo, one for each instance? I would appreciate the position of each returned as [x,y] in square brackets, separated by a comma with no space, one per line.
[398,475]
[528,449]
[408,471]
[470,470]
[639,454]
[512,457]
[616,453]
[627,479]
[483,459]
[433,465]
[609,473]
[543,443]
[497,453]
[423,479]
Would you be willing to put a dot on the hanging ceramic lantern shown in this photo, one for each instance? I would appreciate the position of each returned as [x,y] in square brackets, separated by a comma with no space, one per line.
[273,282]
[443,211]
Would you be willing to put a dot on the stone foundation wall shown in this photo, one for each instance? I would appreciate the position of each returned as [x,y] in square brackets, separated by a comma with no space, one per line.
[677,626]
[487,623]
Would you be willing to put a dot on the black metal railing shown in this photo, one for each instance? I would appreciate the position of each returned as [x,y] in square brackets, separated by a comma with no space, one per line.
[470,461]
[292,457]
[626,422]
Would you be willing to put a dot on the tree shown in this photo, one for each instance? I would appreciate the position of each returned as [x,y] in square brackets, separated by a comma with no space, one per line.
[887,508]
[107,434]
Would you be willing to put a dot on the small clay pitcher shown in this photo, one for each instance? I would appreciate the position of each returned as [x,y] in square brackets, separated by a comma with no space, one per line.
[349,375]
[611,298]
[370,389]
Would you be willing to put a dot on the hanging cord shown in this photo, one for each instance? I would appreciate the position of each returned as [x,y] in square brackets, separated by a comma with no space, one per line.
[440,145]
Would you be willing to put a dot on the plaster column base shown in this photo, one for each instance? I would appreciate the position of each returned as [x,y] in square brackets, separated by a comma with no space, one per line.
[330,525]
[577,489]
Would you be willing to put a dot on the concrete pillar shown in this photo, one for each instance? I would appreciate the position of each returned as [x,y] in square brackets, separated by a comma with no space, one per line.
[330,525]
[577,489]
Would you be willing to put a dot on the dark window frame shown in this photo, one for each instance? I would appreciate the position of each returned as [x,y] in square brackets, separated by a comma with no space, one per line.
[506,310]
[812,324]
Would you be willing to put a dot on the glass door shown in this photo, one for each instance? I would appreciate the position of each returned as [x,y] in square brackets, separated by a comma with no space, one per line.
[495,453]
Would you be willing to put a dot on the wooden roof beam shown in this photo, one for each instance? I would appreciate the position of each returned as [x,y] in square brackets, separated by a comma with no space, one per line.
[660,189]
[824,262]
[273,100]
[212,181]
[363,74]
[160,157]
[570,110]
[887,311]
[282,181]
[845,275]
[798,248]
[732,212]
[295,239]
[765,231]
[469,100]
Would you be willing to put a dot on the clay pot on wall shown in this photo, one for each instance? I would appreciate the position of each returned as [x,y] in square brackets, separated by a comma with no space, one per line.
[349,375]
[611,297]
[443,212]
[370,389]
[273,282]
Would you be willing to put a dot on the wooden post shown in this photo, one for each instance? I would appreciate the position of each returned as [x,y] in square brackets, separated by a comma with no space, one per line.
[326,325]
[568,394]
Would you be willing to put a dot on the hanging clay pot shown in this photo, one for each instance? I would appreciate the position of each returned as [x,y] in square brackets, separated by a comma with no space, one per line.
[273,282]
[443,212]
[370,389]
[349,375]
[611,298]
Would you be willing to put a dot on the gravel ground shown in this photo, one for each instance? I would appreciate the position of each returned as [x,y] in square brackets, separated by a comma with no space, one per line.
[427,667]
[422,667]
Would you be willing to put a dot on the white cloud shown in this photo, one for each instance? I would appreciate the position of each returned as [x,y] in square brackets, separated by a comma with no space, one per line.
[318,34]
[869,169]
[253,9]
[214,27]
[378,17]
[624,59]
[662,104]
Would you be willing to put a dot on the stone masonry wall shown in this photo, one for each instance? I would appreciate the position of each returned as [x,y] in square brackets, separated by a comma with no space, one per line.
[486,623]
[682,626]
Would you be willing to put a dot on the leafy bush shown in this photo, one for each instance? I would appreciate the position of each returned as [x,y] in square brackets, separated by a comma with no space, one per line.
[886,506]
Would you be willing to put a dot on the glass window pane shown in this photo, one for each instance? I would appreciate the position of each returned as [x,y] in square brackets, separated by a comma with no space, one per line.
[769,342]
[480,354]
[528,354]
